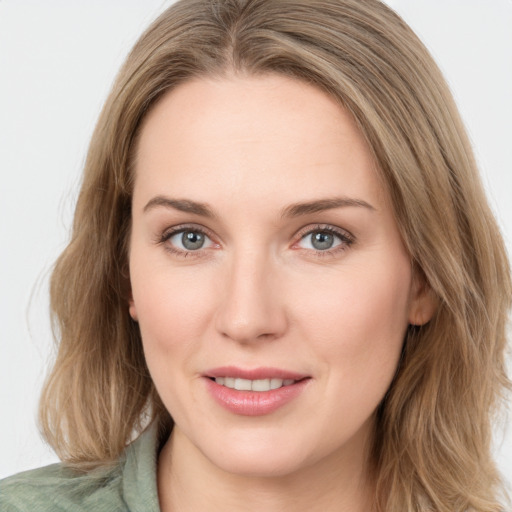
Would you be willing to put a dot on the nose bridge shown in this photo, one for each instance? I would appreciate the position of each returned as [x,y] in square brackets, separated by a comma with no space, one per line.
[250,307]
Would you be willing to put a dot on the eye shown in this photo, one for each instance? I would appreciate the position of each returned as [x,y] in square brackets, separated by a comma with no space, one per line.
[324,239]
[321,240]
[185,240]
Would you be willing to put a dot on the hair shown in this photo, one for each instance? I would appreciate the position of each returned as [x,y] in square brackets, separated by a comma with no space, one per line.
[432,442]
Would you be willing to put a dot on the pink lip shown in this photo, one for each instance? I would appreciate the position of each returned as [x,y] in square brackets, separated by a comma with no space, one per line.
[254,403]
[254,374]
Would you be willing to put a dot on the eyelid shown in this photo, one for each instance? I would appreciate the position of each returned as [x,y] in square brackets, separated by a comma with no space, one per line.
[347,238]
[311,228]
[171,231]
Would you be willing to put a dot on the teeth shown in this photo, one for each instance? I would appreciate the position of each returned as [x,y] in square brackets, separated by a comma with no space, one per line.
[253,385]
[263,385]
[243,385]
[276,383]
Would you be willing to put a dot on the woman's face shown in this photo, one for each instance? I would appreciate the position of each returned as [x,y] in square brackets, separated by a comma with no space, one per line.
[264,254]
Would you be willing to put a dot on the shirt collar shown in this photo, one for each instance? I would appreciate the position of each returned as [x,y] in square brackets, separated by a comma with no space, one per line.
[139,474]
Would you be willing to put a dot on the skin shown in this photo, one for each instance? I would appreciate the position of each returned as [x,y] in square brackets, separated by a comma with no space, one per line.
[259,293]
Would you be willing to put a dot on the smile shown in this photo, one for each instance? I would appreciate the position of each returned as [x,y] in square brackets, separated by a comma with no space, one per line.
[253,385]
[254,392]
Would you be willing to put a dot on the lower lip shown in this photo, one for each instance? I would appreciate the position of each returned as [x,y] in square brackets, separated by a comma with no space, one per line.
[254,403]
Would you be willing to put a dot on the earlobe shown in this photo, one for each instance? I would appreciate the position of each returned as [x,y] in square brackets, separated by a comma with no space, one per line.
[423,302]
[132,310]
[127,292]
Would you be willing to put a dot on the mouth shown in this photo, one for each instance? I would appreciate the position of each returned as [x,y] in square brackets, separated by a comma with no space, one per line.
[260,385]
[254,392]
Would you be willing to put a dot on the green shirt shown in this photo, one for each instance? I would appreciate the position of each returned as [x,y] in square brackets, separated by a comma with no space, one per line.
[128,486]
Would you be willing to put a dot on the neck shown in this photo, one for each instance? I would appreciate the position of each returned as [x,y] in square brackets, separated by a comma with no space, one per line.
[188,481]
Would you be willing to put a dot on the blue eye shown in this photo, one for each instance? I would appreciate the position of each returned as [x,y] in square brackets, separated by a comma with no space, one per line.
[189,240]
[324,239]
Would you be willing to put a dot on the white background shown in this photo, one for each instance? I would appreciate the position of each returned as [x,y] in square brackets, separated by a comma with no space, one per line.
[57,61]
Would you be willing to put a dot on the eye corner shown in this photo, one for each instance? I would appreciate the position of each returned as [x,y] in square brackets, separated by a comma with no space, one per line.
[330,241]
[173,240]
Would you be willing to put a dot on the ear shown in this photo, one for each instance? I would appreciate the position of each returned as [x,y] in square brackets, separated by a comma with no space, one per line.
[132,309]
[423,302]
[128,294]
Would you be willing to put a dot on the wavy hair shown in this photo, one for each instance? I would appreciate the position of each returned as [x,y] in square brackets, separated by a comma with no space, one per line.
[431,448]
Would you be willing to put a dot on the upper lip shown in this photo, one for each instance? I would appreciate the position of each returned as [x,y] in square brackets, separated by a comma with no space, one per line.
[254,373]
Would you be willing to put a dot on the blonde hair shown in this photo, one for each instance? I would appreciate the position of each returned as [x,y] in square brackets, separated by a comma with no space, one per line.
[433,430]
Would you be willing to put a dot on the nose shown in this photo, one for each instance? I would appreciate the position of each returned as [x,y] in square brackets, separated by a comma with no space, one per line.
[250,304]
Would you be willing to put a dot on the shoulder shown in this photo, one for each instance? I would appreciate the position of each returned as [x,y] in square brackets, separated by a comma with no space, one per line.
[59,488]
[130,485]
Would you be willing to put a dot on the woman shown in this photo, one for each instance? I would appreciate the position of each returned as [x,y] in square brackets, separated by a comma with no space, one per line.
[282,244]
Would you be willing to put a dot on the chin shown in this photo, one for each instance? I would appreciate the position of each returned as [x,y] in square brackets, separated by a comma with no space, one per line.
[261,464]
[263,455]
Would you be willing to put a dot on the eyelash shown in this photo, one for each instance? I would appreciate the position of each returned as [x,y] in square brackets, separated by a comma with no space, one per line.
[176,230]
[346,240]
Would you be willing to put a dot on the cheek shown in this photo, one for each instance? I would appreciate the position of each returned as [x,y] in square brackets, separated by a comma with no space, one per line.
[357,319]
[172,309]
[355,326]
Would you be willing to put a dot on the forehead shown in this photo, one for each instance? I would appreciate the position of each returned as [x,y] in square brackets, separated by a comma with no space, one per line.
[253,136]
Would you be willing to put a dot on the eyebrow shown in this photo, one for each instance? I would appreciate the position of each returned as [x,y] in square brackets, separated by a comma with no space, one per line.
[299,209]
[183,205]
[294,210]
